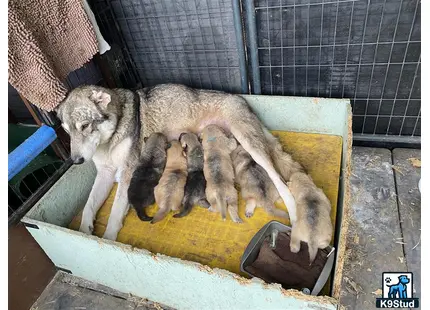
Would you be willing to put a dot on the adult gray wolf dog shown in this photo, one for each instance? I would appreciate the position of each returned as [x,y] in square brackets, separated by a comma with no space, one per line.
[108,126]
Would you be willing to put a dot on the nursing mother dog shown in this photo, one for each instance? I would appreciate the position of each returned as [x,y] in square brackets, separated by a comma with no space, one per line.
[108,126]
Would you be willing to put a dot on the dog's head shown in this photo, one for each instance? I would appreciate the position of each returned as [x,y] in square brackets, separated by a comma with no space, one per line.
[189,143]
[157,144]
[174,152]
[403,279]
[87,115]
[213,135]
[240,156]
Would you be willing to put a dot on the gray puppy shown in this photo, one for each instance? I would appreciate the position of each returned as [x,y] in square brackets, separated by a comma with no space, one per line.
[256,187]
[219,172]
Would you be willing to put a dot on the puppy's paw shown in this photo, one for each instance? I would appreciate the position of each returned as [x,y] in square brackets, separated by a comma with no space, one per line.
[212,209]
[249,213]
[86,228]
[237,220]
[294,248]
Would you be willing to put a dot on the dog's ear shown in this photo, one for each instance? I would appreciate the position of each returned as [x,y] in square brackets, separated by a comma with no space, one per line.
[101,98]
[58,113]
[232,144]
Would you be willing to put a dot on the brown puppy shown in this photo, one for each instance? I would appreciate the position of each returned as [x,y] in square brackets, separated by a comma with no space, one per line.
[256,187]
[170,190]
[313,224]
[219,172]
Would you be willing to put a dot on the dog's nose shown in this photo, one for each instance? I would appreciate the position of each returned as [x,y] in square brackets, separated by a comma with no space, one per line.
[78,160]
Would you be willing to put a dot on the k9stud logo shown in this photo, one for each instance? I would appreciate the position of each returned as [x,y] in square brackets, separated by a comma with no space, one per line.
[397,290]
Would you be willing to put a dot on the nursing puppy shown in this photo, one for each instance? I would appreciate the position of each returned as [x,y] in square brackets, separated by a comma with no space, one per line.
[256,187]
[169,192]
[219,173]
[196,183]
[313,224]
[147,175]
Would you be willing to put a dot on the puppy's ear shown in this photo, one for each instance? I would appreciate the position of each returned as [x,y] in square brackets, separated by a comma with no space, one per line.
[232,144]
[101,98]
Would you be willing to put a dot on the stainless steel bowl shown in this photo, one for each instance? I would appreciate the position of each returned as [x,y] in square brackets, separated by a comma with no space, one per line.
[273,228]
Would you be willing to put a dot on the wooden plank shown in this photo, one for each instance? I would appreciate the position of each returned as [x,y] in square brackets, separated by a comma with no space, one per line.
[407,175]
[373,242]
[68,292]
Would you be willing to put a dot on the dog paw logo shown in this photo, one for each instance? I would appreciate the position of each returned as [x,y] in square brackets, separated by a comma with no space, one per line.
[397,291]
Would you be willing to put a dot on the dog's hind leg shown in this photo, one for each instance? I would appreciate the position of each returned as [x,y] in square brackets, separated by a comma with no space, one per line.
[187,206]
[294,242]
[141,213]
[99,193]
[248,131]
[250,207]
[203,203]
[120,207]
[233,210]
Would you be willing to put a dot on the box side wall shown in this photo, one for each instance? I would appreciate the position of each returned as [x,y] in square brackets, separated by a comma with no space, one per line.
[343,205]
[301,114]
[157,277]
[66,197]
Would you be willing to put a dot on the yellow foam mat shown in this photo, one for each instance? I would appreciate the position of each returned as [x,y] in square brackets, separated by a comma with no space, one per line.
[202,236]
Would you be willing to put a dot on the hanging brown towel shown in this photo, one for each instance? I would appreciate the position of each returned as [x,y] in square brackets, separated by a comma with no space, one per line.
[48,39]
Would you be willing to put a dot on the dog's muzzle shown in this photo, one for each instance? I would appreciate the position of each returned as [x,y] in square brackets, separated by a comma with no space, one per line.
[78,160]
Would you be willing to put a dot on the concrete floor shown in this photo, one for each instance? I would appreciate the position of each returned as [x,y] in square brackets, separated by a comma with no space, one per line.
[385,226]
[384,236]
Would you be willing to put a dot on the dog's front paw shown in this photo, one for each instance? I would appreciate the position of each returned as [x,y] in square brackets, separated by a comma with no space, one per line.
[109,235]
[86,228]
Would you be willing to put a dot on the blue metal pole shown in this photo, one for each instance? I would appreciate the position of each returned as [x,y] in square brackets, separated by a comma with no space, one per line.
[29,149]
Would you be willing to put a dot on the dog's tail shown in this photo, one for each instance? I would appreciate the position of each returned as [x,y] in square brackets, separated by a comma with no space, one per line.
[161,213]
[222,205]
[188,205]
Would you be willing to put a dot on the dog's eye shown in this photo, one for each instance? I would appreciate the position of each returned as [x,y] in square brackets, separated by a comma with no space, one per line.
[85,126]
